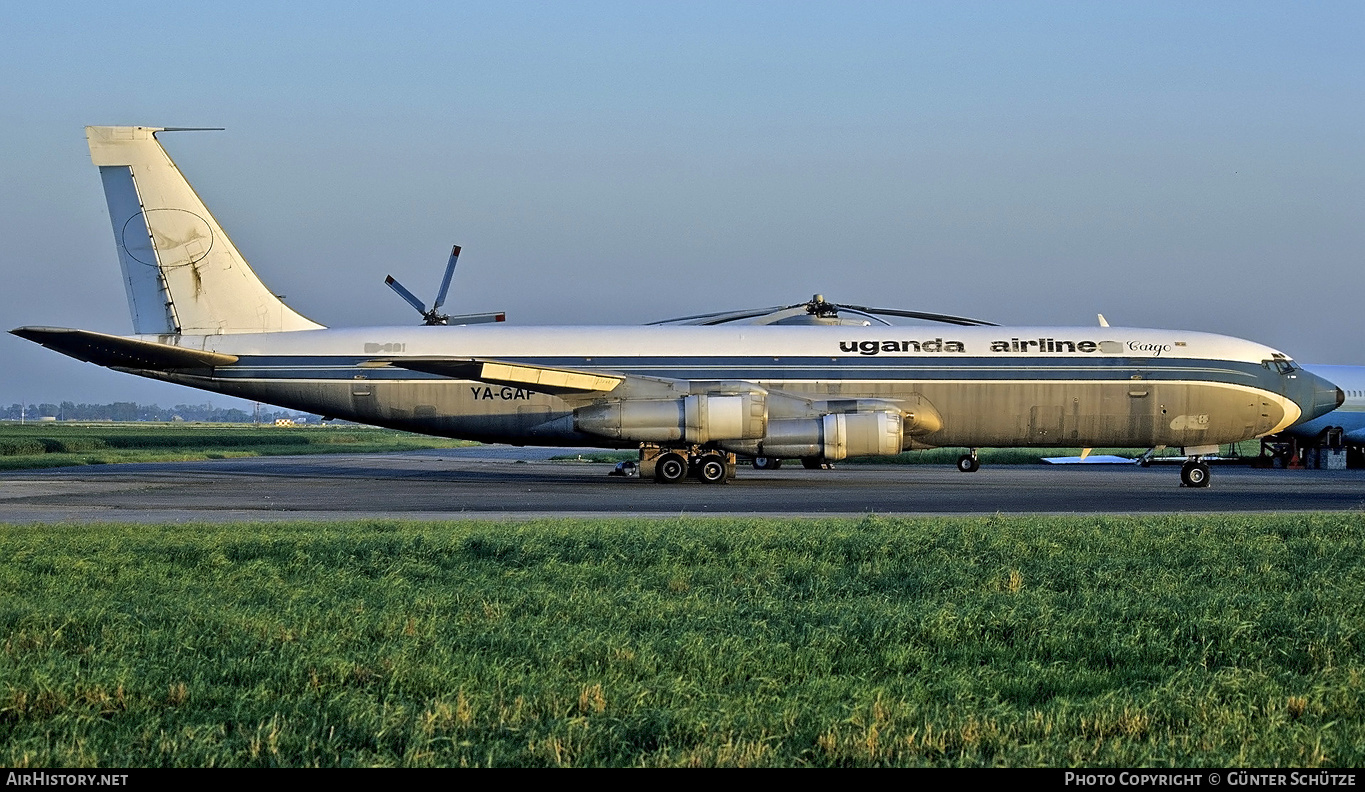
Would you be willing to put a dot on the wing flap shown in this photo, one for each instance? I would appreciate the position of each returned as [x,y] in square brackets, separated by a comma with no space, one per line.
[119,352]
[545,379]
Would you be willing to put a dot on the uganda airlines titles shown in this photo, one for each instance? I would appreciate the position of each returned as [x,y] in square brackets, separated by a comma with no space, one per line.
[1014,345]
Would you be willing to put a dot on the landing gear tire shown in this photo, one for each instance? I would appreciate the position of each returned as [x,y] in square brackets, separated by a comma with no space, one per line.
[711,469]
[968,464]
[767,463]
[815,463]
[670,468]
[1194,474]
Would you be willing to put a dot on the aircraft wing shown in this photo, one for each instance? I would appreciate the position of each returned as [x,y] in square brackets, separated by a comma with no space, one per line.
[645,390]
[544,379]
[119,352]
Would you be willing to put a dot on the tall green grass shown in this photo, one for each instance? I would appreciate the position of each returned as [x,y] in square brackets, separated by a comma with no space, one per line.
[1153,641]
[55,445]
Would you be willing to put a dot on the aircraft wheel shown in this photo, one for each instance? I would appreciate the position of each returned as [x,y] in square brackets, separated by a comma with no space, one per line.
[670,468]
[711,469]
[767,463]
[968,463]
[1194,474]
[815,463]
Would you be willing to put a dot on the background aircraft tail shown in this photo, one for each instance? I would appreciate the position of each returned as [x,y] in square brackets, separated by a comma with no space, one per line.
[182,273]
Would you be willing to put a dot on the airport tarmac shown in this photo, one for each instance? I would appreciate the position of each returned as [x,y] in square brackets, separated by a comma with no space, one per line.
[500,482]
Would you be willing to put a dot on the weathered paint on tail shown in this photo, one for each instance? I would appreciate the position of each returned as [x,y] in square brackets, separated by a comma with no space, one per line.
[182,273]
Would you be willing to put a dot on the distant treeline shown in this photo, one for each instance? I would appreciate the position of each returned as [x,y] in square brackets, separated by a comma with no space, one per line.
[132,411]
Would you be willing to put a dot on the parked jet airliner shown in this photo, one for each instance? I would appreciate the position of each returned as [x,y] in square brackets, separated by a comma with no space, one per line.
[690,397]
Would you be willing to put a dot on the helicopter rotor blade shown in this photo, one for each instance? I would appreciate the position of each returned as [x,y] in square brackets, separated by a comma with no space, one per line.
[819,307]
[776,317]
[872,316]
[445,282]
[408,296]
[925,315]
[720,317]
[478,318]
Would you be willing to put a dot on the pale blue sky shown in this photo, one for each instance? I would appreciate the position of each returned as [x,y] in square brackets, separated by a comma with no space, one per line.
[1169,164]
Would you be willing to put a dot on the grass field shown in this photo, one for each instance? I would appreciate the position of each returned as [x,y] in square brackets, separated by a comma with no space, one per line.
[60,444]
[1154,641]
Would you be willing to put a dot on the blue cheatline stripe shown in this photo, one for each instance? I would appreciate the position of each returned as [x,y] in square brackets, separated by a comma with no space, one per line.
[767,369]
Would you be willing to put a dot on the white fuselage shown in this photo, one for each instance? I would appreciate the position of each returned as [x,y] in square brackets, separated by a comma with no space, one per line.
[992,386]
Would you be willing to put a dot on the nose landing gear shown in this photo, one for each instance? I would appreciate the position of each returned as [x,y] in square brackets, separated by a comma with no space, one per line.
[968,463]
[1194,473]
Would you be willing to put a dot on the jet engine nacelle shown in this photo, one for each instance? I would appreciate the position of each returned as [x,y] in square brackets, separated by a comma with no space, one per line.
[700,418]
[920,416]
[829,437]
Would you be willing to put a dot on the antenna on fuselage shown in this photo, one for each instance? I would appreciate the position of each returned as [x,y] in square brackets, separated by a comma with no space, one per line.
[433,315]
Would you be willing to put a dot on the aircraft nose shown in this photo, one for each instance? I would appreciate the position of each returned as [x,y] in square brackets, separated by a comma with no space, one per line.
[1316,396]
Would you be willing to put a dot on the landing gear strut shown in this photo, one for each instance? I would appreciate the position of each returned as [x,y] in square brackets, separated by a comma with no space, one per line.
[968,463]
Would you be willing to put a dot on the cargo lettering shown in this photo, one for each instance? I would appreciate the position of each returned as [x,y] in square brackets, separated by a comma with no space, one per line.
[502,394]
[1154,350]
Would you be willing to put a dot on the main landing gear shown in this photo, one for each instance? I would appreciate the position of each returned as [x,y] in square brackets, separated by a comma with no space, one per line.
[670,468]
[968,463]
[711,469]
[674,465]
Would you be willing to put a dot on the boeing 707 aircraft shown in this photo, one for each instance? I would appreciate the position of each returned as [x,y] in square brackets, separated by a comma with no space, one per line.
[692,396]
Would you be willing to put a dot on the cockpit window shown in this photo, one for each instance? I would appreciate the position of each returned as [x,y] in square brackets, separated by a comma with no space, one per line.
[1281,364]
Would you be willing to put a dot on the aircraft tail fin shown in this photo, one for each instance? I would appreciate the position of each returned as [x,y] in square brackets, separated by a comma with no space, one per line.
[181,272]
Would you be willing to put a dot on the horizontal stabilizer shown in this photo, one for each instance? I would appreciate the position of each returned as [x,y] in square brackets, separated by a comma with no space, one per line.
[119,352]
[495,372]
